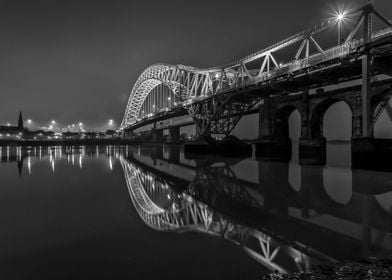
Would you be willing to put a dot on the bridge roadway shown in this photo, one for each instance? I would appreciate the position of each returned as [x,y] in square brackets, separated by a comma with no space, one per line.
[216,98]
[308,216]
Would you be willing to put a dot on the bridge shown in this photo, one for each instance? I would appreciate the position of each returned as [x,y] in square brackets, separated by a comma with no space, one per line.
[298,67]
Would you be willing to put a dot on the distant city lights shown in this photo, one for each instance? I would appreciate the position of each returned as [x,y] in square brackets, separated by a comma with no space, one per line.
[56,126]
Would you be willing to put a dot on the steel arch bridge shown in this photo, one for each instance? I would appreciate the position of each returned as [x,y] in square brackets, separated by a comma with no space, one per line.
[163,209]
[217,97]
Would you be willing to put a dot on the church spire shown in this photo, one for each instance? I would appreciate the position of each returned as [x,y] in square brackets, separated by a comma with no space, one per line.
[20,121]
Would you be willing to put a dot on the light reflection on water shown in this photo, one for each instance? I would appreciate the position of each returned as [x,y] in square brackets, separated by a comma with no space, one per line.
[283,215]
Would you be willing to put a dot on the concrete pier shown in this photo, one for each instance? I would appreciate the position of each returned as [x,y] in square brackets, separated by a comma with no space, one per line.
[274,150]
[157,135]
[313,151]
[371,153]
[174,134]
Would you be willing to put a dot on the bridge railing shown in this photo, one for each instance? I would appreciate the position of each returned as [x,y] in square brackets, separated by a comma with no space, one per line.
[382,33]
[297,65]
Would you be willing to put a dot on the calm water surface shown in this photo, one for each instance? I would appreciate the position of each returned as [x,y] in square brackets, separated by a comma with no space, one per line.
[153,213]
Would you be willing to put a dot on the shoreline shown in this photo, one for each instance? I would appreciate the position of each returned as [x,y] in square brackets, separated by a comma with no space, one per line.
[373,268]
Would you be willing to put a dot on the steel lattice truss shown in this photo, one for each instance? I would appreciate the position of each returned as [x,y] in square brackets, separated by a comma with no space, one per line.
[197,86]
[383,106]
[188,214]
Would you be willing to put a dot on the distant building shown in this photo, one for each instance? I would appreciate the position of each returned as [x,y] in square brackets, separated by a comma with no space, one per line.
[20,121]
[8,130]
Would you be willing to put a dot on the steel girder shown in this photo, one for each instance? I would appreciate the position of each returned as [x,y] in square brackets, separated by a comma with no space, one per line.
[219,114]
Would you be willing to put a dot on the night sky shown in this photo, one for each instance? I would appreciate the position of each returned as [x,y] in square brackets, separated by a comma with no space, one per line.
[75,61]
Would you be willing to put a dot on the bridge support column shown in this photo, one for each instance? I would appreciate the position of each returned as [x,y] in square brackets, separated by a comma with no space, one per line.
[311,150]
[367,152]
[305,125]
[271,187]
[157,153]
[312,187]
[129,134]
[174,133]
[266,117]
[356,126]
[269,145]
[157,135]
[174,153]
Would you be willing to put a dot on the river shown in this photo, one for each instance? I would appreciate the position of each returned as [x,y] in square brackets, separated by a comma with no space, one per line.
[152,212]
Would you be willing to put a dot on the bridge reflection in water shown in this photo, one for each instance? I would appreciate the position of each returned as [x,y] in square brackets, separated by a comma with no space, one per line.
[163,208]
[285,215]
[288,218]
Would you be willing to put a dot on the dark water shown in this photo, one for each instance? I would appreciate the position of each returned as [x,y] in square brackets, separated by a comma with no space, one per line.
[152,213]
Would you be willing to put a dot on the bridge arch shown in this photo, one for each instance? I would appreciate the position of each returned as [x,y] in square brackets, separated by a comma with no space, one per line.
[175,77]
[320,111]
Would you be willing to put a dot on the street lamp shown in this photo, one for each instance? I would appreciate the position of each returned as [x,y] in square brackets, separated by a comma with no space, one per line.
[169,101]
[340,17]
[53,125]
[29,122]
[81,127]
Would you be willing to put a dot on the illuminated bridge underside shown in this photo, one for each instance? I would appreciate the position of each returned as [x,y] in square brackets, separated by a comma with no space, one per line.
[217,97]
[187,214]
